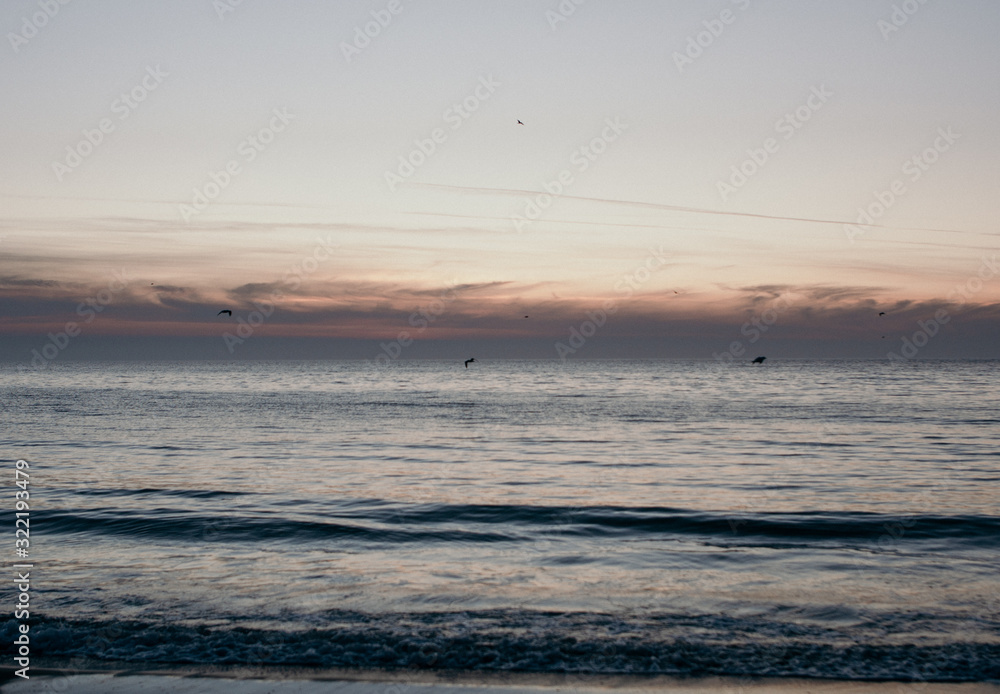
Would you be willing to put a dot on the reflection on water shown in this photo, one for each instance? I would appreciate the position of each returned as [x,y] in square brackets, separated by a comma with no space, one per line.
[830,501]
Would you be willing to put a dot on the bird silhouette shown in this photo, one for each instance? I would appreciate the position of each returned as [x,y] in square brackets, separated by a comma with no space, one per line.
[226,311]
[520,123]
[759,360]
[881,313]
[469,361]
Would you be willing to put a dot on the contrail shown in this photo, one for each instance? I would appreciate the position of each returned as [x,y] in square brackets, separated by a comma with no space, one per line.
[693,210]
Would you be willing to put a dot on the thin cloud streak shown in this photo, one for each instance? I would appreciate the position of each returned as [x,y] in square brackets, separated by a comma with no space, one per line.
[692,210]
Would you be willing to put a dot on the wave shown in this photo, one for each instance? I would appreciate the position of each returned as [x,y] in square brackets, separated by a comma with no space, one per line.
[517,640]
[181,525]
[394,523]
[183,493]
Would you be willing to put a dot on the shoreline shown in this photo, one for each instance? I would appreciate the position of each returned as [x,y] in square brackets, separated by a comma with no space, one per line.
[296,680]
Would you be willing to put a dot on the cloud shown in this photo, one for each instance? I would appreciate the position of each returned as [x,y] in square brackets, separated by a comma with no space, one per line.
[492,310]
[14,282]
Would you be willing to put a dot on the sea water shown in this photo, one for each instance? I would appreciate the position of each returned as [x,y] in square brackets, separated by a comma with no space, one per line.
[807,518]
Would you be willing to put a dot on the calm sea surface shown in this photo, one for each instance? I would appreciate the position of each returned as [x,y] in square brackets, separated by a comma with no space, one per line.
[826,519]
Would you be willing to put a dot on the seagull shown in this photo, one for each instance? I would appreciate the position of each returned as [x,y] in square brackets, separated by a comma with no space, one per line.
[758,360]
[469,361]
[226,311]
[520,123]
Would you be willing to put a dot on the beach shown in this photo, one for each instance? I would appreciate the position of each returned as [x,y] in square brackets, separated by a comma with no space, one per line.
[125,682]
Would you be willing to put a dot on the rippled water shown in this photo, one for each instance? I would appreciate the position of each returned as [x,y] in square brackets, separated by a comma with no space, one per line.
[835,519]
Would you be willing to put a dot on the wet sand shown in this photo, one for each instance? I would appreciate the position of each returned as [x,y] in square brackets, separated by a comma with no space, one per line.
[356,682]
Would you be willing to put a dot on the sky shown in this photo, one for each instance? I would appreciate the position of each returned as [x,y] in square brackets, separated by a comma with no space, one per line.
[717,179]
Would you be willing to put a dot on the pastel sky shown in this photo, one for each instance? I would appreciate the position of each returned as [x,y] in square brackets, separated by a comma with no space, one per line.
[355,170]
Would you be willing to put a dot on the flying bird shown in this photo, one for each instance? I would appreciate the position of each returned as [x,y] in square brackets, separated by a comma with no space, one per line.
[469,361]
[520,123]
[525,316]
[759,360]
[226,311]
[881,313]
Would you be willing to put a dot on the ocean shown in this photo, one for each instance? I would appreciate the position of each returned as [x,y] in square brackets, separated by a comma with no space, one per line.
[814,519]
